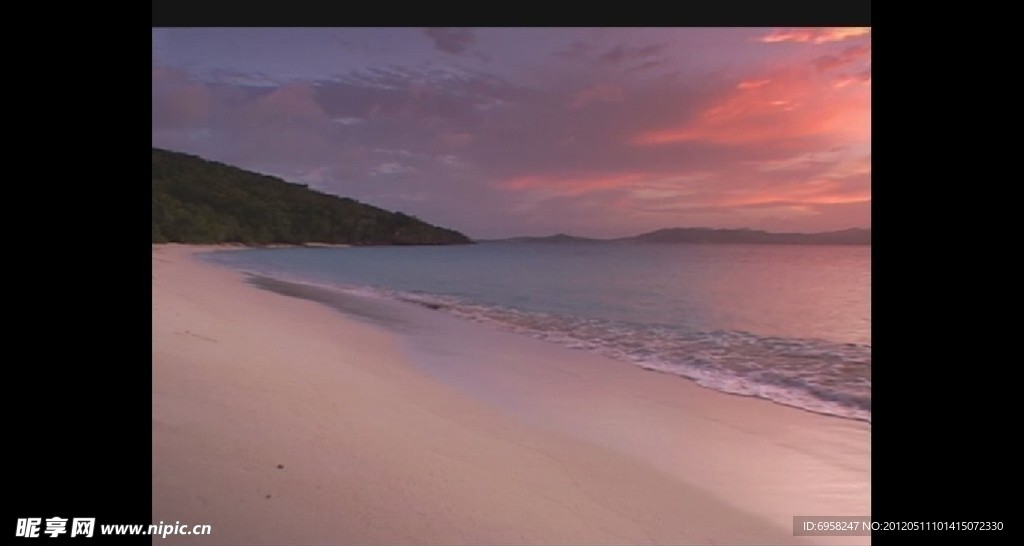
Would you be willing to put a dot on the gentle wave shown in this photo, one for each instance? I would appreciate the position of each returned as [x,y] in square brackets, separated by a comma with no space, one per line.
[815,375]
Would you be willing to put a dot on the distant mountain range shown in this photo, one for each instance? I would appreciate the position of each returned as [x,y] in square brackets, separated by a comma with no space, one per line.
[854,236]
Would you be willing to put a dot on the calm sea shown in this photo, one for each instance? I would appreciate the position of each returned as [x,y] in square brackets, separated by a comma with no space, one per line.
[787,323]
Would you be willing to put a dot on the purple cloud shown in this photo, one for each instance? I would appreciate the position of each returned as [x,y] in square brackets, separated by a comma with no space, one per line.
[536,141]
[451,40]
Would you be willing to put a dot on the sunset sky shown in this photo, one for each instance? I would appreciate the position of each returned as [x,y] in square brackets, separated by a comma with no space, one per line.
[501,131]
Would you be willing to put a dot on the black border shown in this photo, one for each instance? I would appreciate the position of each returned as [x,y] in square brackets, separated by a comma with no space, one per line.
[941,403]
[720,13]
[79,418]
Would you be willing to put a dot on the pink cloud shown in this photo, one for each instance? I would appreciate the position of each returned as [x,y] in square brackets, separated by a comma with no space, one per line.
[292,102]
[752,84]
[774,109]
[178,101]
[816,192]
[814,35]
[860,78]
[847,56]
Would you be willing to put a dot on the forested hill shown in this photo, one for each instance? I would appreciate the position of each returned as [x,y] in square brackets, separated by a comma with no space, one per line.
[200,201]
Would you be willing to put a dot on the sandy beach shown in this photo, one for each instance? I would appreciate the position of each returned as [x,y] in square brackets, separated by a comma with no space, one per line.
[279,420]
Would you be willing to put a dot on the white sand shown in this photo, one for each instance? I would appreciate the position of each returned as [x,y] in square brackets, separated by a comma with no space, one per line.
[377,452]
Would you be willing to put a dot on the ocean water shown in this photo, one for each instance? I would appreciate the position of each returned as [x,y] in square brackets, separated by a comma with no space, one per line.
[787,323]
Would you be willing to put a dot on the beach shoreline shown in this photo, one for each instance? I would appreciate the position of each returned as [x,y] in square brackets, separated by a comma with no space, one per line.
[388,440]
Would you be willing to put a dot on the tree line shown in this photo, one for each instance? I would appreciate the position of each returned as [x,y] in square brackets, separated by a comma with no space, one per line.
[201,201]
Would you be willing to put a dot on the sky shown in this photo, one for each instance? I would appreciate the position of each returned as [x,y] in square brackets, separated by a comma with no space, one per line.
[500,132]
